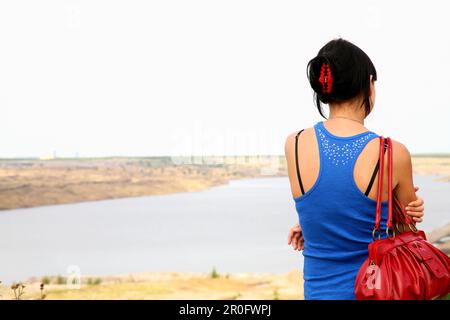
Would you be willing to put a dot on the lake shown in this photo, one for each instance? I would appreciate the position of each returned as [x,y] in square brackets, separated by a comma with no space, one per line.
[239,227]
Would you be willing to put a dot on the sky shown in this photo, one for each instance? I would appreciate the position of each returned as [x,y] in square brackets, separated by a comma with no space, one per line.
[151,78]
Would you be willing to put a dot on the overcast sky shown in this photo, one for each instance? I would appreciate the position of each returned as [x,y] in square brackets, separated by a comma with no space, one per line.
[143,78]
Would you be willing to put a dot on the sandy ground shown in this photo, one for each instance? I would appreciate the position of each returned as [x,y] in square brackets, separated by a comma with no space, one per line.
[432,166]
[170,285]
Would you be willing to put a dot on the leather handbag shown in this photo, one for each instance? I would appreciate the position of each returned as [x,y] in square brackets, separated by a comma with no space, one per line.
[403,265]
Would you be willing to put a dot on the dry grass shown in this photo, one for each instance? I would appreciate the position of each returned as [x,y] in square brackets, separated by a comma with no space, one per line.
[174,285]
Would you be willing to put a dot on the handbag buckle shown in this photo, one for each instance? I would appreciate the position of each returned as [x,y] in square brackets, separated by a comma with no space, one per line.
[387,233]
[373,234]
[426,258]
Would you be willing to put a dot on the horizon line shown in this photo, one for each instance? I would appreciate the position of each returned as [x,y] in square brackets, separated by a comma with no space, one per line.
[424,154]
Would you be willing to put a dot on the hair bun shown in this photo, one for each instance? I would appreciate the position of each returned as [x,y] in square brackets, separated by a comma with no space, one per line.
[341,71]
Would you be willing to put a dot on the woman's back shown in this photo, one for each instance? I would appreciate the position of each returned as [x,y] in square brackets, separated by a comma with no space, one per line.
[335,215]
[332,167]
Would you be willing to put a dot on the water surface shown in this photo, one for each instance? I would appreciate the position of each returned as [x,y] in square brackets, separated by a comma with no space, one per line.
[239,227]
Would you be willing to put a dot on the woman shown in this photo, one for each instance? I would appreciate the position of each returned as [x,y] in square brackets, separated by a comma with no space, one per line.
[330,176]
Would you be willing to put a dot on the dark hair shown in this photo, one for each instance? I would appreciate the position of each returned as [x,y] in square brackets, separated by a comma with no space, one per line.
[350,68]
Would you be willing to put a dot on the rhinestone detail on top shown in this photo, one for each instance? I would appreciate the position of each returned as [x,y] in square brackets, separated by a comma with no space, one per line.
[341,155]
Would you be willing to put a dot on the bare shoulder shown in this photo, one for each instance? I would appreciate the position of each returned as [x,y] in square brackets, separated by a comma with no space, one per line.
[400,150]
[290,140]
[401,155]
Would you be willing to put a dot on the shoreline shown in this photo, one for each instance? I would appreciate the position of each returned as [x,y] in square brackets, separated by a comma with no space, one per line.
[34,183]
[146,195]
[169,285]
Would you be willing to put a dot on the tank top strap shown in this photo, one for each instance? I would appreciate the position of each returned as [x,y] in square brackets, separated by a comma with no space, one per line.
[338,155]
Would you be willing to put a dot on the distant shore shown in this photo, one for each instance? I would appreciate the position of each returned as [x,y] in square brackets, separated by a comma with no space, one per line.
[30,183]
[432,166]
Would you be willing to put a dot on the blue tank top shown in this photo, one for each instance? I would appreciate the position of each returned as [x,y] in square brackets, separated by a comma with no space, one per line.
[336,218]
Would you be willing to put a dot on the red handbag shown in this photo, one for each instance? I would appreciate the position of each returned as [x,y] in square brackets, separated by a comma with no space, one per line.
[404,265]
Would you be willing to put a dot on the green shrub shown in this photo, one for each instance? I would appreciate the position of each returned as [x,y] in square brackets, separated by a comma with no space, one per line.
[276,295]
[61,280]
[46,280]
[94,282]
[214,273]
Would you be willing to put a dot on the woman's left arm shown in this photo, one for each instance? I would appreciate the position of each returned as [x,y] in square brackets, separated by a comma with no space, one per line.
[405,190]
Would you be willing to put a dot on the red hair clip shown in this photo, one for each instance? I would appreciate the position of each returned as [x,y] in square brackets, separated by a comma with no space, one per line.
[326,79]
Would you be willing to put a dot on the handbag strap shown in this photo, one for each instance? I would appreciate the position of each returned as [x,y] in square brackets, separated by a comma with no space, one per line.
[380,185]
[400,213]
[390,224]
